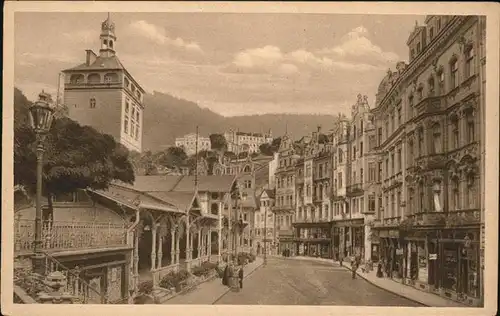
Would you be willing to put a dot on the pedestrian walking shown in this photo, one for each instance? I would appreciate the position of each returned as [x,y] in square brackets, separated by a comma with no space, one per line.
[379,270]
[354,267]
[240,275]
[341,260]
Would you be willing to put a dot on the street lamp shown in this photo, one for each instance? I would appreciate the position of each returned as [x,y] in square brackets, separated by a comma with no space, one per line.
[265,235]
[41,116]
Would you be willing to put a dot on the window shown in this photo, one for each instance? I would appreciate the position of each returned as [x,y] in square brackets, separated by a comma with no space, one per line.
[420,93]
[469,62]
[354,152]
[410,201]
[439,24]
[412,53]
[431,33]
[470,128]
[371,172]
[455,133]
[421,200]
[441,79]
[361,175]
[436,136]
[379,172]
[420,142]
[361,149]
[400,165]
[393,169]
[354,132]
[340,180]
[361,128]
[419,48]
[411,106]
[371,203]
[456,193]
[399,116]
[454,74]
[410,152]
[92,103]
[308,190]
[387,168]
[398,202]
[379,136]
[430,83]
[371,142]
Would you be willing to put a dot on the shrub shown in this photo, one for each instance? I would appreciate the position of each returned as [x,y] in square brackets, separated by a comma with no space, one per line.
[146,287]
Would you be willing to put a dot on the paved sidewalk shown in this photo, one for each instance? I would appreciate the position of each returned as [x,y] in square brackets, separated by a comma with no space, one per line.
[208,292]
[400,289]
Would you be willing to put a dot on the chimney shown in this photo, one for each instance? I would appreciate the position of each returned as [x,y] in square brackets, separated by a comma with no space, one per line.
[90,58]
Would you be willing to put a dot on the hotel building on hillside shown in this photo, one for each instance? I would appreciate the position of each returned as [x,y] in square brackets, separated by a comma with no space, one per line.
[101,93]
[188,143]
[429,140]
[238,142]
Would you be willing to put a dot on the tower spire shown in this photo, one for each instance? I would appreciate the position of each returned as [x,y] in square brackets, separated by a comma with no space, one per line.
[108,38]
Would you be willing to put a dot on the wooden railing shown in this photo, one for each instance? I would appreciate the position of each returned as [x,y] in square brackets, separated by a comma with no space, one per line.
[59,235]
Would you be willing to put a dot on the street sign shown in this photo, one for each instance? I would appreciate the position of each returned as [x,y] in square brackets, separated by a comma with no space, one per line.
[433,256]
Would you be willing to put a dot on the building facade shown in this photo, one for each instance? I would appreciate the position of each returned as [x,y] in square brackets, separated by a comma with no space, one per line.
[264,227]
[312,232]
[284,206]
[428,127]
[238,142]
[101,93]
[188,143]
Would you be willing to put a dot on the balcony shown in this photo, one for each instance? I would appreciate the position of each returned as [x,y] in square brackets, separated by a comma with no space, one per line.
[310,220]
[63,236]
[429,104]
[355,189]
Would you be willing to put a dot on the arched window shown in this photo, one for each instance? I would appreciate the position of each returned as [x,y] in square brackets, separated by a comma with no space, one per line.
[92,103]
[420,92]
[94,78]
[469,61]
[471,192]
[455,190]
[110,77]
[246,169]
[126,83]
[455,132]
[469,117]
[436,137]
[431,85]
[110,44]
[453,73]
[76,78]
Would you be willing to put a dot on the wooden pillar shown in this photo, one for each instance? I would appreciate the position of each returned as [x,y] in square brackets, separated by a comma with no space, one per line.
[136,260]
[153,246]
[199,246]
[160,250]
[188,245]
[172,244]
[177,248]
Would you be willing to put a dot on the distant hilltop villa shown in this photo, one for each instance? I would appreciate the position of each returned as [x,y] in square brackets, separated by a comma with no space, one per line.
[246,142]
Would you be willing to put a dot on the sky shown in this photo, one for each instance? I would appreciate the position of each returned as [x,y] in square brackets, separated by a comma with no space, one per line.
[231,63]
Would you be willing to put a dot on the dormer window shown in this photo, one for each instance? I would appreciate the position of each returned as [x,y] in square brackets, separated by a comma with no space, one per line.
[92,103]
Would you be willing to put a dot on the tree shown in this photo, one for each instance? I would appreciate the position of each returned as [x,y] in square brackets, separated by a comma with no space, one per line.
[76,157]
[218,142]
[322,139]
[230,155]
[270,149]
[173,157]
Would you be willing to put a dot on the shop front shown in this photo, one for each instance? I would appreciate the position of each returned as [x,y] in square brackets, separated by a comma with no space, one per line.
[313,242]
[342,243]
[441,261]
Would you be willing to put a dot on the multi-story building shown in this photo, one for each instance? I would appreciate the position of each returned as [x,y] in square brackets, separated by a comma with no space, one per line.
[265,234]
[252,175]
[238,142]
[427,118]
[101,93]
[284,207]
[188,143]
[311,222]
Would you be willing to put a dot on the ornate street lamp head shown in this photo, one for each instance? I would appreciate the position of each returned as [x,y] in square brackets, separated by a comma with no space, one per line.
[42,113]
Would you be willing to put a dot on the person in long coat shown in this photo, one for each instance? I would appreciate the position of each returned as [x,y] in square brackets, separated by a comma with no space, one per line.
[225,277]
[240,275]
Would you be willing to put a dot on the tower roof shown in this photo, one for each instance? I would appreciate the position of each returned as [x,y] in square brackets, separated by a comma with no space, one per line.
[100,63]
[108,25]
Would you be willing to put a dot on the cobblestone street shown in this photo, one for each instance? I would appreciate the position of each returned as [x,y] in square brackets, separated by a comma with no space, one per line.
[295,282]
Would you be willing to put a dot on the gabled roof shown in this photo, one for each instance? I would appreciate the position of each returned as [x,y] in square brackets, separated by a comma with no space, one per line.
[180,199]
[154,183]
[269,193]
[100,63]
[206,183]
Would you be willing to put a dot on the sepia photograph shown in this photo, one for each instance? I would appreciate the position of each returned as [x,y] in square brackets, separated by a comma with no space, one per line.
[250,156]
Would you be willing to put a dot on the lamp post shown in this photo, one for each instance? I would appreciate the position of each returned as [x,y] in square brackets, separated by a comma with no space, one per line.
[41,116]
[265,235]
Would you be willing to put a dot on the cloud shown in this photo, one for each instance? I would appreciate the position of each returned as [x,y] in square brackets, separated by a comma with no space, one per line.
[28,58]
[356,47]
[83,36]
[157,35]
